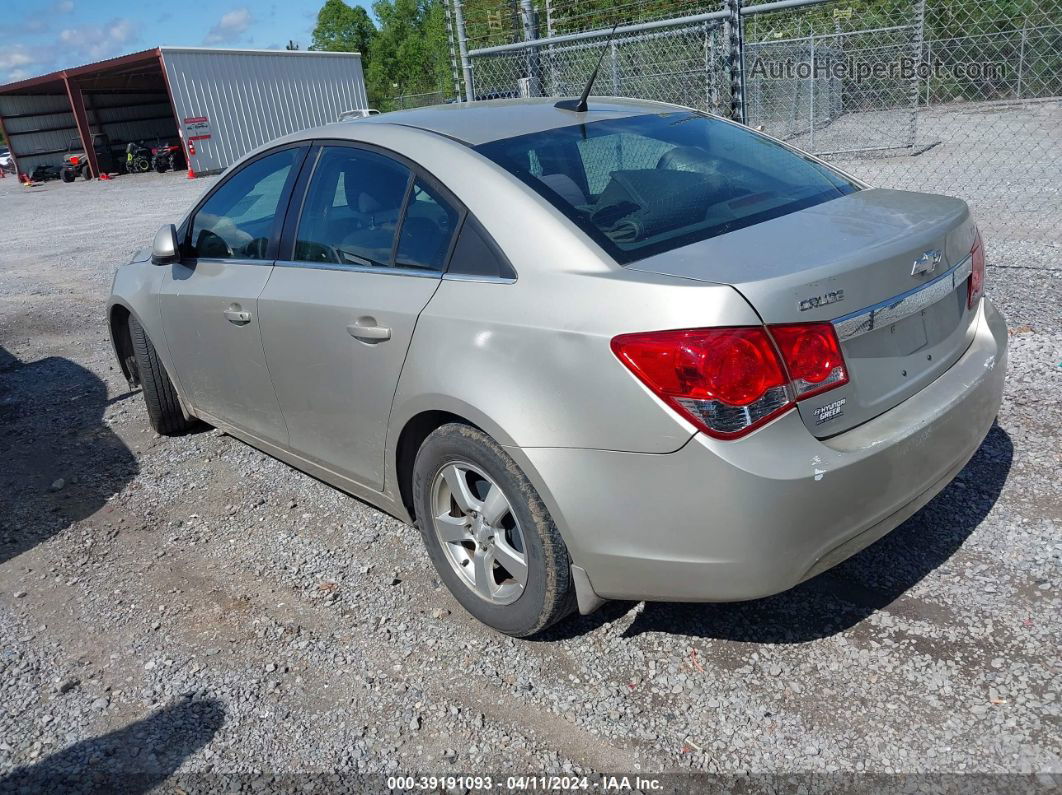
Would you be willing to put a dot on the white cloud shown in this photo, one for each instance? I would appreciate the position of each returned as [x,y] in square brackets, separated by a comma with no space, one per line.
[98,42]
[17,62]
[230,27]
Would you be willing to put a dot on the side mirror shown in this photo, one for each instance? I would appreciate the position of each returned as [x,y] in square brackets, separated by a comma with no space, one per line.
[165,249]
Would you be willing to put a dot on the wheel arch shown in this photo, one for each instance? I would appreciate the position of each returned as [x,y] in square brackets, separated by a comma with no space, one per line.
[122,342]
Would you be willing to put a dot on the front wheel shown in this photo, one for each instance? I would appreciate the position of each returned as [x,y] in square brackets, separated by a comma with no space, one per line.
[490,537]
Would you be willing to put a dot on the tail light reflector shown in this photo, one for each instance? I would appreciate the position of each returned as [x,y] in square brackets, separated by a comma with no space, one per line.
[74,161]
[730,381]
[975,288]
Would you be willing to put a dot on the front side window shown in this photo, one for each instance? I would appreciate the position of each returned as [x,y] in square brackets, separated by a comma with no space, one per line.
[644,185]
[238,219]
[352,209]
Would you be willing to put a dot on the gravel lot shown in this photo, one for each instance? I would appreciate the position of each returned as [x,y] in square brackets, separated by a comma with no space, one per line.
[186,606]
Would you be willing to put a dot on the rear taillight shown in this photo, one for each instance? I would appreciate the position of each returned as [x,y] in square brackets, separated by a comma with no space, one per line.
[975,288]
[730,381]
[74,161]
[812,356]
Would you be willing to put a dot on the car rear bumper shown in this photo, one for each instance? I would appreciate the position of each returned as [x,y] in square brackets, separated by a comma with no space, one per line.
[728,521]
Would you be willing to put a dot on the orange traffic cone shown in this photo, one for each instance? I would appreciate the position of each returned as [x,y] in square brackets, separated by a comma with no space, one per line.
[191,173]
[105,176]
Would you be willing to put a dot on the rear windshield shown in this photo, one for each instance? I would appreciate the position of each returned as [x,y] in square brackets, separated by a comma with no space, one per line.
[648,184]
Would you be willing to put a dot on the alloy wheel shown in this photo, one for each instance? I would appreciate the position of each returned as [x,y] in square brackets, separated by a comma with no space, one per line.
[479,533]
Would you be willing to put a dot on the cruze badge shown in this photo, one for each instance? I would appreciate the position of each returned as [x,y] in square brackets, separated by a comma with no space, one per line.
[821,300]
[927,263]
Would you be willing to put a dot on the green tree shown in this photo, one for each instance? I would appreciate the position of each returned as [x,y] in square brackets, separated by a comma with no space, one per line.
[341,28]
[410,52]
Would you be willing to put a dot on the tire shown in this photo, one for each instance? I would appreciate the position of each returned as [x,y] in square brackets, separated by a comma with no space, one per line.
[141,164]
[86,173]
[160,167]
[163,407]
[67,176]
[523,526]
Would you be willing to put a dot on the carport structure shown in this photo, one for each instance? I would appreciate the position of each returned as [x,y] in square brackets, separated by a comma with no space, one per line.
[219,104]
[125,97]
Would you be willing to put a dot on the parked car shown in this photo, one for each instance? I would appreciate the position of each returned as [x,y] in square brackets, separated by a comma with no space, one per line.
[7,162]
[76,163]
[637,352]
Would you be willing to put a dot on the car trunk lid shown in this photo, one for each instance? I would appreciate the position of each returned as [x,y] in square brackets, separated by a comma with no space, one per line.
[887,267]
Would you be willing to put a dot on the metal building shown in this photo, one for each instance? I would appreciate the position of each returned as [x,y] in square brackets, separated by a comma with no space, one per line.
[220,103]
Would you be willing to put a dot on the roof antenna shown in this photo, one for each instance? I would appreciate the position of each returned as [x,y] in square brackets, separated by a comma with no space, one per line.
[579,105]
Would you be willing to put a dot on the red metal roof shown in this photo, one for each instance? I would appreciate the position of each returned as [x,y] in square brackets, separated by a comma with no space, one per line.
[111,64]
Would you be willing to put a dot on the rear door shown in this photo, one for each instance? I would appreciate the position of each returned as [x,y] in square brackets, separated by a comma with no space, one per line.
[360,260]
[209,300]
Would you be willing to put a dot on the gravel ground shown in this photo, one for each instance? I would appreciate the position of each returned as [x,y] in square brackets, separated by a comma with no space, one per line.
[178,607]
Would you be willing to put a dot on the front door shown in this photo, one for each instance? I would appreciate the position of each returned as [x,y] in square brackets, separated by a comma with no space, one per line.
[337,319]
[209,300]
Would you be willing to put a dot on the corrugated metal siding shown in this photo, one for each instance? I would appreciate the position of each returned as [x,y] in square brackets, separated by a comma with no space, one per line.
[129,117]
[26,136]
[253,97]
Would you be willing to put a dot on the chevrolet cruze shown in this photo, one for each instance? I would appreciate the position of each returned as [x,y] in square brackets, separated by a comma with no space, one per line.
[627,352]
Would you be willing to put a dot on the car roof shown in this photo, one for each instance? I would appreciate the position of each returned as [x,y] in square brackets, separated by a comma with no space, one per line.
[491,120]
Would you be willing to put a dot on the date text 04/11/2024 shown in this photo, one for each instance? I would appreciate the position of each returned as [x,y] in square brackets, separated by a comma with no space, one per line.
[526,783]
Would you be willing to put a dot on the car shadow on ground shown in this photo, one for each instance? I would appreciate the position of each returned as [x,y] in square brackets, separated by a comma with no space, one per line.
[842,597]
[61,462]
[134,759]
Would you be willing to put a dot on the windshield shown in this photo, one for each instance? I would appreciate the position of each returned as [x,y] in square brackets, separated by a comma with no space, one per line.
[647,184]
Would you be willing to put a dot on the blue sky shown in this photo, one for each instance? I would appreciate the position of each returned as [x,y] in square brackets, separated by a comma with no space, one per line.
[39,36]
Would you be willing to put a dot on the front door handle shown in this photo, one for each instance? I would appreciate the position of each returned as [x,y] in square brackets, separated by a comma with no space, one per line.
[237,316]
[366,330]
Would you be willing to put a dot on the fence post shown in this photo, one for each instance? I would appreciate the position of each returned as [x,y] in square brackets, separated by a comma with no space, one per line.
[736,43]
[919,37]
[462,45]
[811,95]
[1021,52]
[534,70]
[453,50]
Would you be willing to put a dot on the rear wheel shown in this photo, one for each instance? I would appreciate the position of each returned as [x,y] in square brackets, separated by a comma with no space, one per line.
[490,537]
[86,172]
[67,175]
[163,407]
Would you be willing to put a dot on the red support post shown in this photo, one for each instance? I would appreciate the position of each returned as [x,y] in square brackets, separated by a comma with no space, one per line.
[77,105]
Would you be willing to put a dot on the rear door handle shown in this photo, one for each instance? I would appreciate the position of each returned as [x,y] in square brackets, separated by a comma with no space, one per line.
[237,316]
[366,330]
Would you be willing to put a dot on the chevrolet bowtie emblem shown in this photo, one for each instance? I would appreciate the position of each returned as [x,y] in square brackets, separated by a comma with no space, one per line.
[927,263]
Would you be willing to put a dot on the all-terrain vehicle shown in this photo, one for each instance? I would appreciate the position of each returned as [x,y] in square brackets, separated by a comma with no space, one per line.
[137,157]
[75,162]
[166,156]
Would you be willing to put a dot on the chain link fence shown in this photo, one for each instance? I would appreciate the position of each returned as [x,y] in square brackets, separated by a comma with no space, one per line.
[408,101]
[944,96]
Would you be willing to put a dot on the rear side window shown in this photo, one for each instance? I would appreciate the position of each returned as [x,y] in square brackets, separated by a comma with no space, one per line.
[476,254]
[352,209]
[237,221]
[644,185]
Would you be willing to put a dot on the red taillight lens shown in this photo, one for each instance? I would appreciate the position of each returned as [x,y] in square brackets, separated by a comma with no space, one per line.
[730,381]
[726,381]
[812,356]
[975,288]
[74,161]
